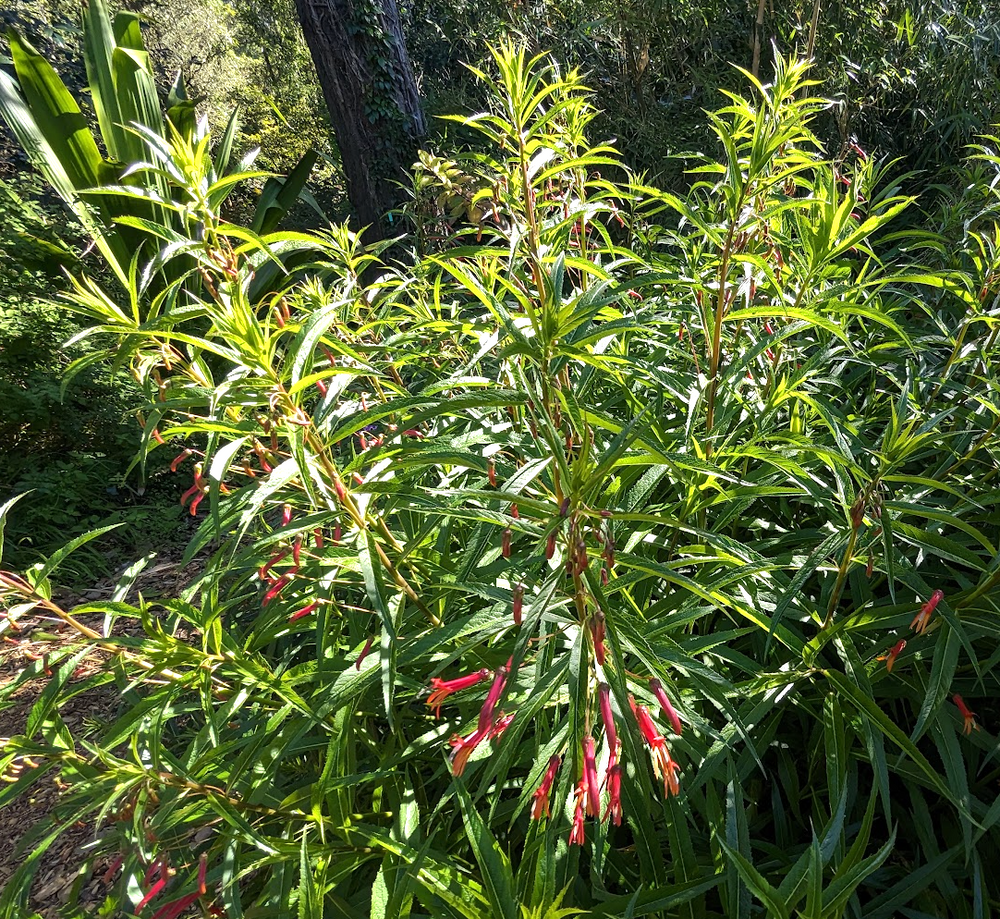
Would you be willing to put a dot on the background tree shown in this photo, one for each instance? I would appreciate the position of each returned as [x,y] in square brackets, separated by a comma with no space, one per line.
[371,94]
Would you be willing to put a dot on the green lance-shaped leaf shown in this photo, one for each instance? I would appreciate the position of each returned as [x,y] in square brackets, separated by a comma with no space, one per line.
[280,194]
[836,895]
[98,48]
[56,115]
[375,588]
[758,885]
[225,148]
[498,881]
[870,709]
[4,512]
[53,132]
[138,101]
[181,110]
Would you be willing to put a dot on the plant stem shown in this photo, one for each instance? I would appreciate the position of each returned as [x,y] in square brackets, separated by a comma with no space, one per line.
[838,588]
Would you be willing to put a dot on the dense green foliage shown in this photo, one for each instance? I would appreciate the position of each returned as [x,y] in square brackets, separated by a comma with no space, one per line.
[85,435]
[594,435]
[916,80]
[69,450]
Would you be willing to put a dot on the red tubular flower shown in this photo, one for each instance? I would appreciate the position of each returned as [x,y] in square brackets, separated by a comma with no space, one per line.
[614,807]
[671,784]
[262,458]
[969,718]
[271,562]
[152,892]
[364,653]
[492,697]
[609,551]
[318,534]
[463,748]
[647,727]
[590,777]
[607,716]
[189,494]
[305,611]
[197,491]
[276,588]
[501,725]
[179,459]
[514,512]
[112,868]
[441,689]
[173,909]
[541,794]
[668,709]
[491,473]
[664,767]
[161,869]
[505,543]
[550,545]
[597,633]
[322,387]
[518,603]
[577,835]
[336,535]
[155,869]
[890,658]
[922,618]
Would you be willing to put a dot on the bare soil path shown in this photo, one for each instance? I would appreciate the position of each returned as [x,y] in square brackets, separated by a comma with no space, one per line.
[38,636]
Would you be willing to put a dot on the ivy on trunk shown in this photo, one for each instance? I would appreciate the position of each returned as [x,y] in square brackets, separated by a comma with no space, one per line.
[370,91]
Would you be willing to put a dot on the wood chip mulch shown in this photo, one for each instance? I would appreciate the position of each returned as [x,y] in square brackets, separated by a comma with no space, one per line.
[38,636]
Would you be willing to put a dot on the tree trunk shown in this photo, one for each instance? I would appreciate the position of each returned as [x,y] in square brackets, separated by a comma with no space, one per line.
[369,87]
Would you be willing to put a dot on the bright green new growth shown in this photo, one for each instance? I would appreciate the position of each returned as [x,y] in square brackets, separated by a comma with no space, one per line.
[54,133]
[680,427]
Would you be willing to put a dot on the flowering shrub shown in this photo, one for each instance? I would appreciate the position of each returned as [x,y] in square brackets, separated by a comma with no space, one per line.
[555,570]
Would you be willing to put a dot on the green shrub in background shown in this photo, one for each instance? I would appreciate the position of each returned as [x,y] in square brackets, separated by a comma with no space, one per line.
[68,450]
[916,80]
[630,552]
[70,446]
